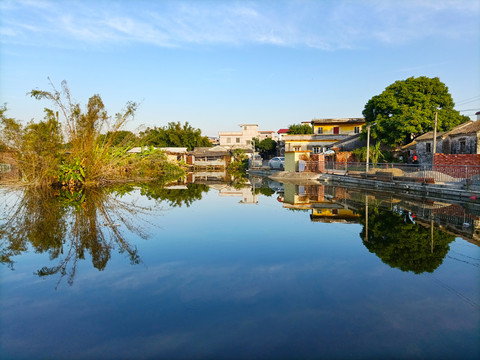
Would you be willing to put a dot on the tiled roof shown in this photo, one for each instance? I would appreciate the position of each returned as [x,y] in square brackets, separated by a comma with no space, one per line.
[338,121]
[468,127]
[429,135]
[212,151]
[282,131]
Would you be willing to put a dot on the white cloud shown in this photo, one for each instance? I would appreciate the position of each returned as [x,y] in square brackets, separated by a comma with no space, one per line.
[324,25]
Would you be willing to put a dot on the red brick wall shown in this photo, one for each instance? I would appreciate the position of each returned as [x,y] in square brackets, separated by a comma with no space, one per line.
[457,165]
[345,156]
[316,163]
[457,159]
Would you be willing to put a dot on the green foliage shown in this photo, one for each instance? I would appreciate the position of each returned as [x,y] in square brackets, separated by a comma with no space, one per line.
[150,163]
[300,129]
[83,132]
[122,138]
[402,244]
[175,135]
[406,109]
[72,174]
[37,147]
[239,164]
[11,131]
[264,190]
[267,147]
[174,197]
[376,153]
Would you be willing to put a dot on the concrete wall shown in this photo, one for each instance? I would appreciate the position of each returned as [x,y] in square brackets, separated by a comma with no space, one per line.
[291,159]
[425,157]
[471,144]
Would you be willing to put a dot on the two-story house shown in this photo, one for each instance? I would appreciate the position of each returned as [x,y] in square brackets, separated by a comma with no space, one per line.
[326,132]
[243,139]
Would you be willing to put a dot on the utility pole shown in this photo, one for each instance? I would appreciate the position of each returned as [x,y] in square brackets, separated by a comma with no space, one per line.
[434,137]
[368,150]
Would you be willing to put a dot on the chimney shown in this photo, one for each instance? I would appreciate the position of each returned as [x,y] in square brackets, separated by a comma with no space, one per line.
[478,115]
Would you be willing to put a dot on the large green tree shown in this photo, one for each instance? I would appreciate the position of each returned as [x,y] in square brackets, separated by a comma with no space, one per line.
[266,147]
[175,134]
[406,109]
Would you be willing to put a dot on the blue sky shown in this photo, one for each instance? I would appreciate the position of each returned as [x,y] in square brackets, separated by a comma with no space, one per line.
[217,64]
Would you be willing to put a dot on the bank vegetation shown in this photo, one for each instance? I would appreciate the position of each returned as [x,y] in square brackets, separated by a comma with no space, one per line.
[72,146]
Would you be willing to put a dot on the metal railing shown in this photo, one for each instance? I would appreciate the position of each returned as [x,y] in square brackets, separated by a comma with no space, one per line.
[430,174]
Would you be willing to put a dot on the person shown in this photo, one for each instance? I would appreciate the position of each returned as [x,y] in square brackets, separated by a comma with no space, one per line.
[415,159]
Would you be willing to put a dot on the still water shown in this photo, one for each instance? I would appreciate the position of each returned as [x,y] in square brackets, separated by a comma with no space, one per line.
[219,271]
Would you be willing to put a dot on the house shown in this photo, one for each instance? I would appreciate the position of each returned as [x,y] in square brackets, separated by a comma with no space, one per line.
[326,132]
[217,156]
[262,135]
[243,139]
[240,139]
[463,139]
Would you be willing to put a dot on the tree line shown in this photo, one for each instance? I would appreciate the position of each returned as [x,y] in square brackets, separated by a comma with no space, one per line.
[70,146]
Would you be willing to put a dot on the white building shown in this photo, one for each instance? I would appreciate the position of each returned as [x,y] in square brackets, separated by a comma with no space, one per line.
[243,139]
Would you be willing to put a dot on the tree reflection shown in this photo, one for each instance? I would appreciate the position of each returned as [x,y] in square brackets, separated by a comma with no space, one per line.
[175,197]
[403,244]
[68,225]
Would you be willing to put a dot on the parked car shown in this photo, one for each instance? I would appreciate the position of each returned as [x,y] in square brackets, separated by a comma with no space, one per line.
[255,161]
[277,163]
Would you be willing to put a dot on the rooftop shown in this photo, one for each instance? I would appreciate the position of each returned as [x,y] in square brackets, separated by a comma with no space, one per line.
[468,127]
[338,121]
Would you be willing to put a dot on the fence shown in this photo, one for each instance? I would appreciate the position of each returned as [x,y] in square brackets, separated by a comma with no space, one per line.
[430,174]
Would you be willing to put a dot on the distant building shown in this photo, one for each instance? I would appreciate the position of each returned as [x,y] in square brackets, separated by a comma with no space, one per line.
[243,139]
[209,157]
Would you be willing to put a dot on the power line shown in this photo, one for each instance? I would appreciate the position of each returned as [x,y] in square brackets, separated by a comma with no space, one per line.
[468,110]
[475,98]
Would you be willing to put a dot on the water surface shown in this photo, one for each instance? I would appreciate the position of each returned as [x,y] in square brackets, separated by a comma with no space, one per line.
[197,271]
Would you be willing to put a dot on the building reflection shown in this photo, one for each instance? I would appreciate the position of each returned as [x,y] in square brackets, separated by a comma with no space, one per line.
[334,204]
[323,201]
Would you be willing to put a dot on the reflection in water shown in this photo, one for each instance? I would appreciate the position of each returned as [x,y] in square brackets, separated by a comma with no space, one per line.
[401,243]
[69,224]
[174,195]
[391,229]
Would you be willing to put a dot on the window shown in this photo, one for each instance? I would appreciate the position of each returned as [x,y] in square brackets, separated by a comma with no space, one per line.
[463,146]
[238,140]
[320,130]
[356,130]
[229,140]
[428,147]
[249,142]
[317,149]
[336,130]
[296,148]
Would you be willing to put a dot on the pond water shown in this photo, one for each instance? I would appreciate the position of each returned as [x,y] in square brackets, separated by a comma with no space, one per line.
[219,271]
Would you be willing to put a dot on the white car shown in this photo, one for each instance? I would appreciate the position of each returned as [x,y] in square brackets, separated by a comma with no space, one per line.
[277,163]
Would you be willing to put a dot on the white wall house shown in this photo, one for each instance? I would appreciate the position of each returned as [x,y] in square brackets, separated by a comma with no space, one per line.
[241,139]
